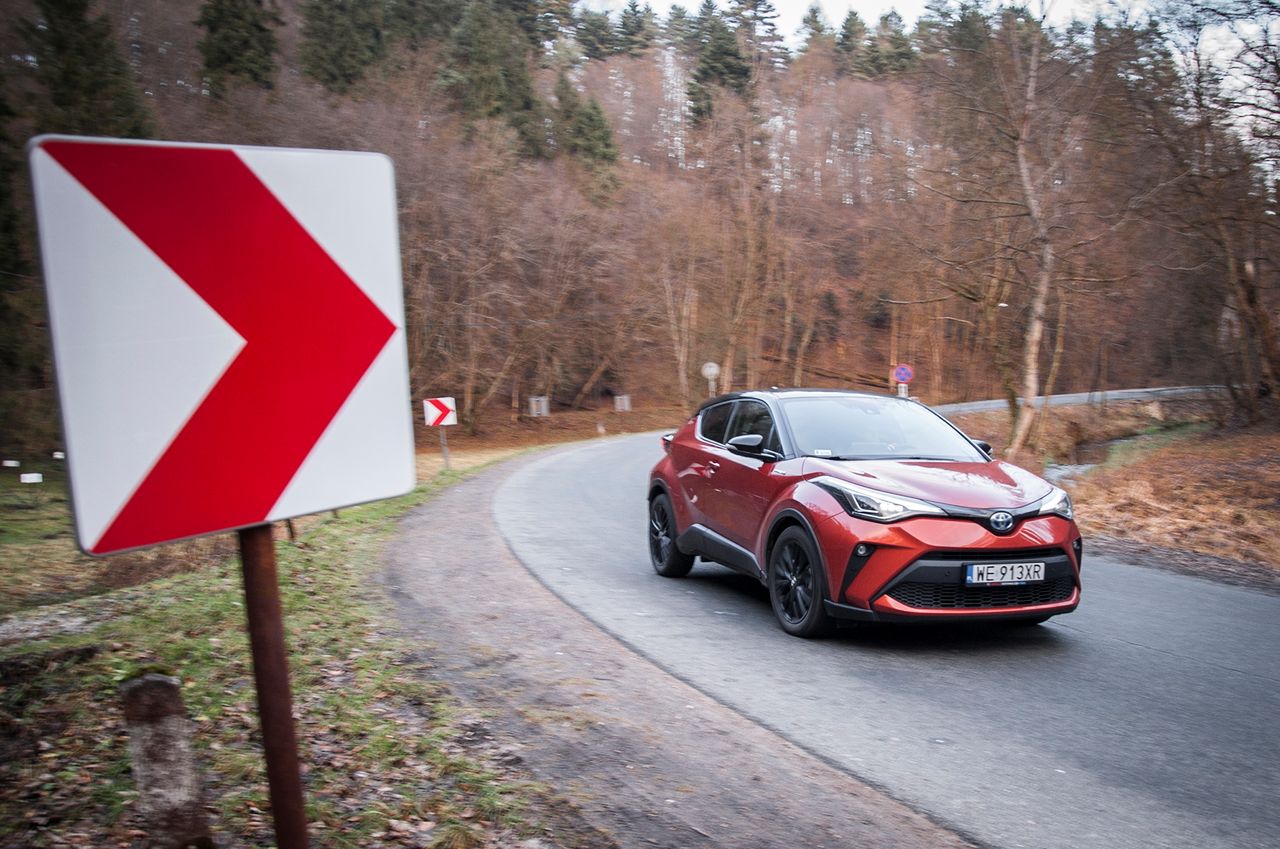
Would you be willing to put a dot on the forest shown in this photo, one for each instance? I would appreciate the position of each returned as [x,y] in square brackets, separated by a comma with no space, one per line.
[596,204]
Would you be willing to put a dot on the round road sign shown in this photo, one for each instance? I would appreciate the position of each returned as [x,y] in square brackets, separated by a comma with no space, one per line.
[903,373]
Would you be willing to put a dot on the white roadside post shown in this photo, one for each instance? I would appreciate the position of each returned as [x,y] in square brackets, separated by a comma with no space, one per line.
[711,371]
[441,412]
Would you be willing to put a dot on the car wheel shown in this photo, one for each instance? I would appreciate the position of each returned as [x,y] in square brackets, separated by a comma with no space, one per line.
[796,585]
[668,560]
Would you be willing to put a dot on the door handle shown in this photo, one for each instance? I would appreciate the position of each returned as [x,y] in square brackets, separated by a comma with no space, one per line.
[712,465]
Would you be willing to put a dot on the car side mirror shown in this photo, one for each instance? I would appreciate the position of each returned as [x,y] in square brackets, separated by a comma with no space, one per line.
[751,444]
[986,448]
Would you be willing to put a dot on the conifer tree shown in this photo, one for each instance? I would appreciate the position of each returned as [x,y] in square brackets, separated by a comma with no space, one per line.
[814,24]
[340,38]
[593,137]
[721,64]
[567,101]
[239,42]
[488,73]
[814,29]
[595,35]
[635,33]
[678,30]
[90,89]
[582,130]
[24,357]
[893,45]
[757,27]
[417,21]
[707,12]
[527,15]
[851,43]
[13,265]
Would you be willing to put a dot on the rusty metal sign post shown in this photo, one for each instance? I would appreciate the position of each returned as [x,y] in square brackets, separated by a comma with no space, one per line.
[271,675]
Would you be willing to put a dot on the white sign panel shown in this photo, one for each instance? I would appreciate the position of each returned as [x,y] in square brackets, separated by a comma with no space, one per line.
[440,412]
[228,330]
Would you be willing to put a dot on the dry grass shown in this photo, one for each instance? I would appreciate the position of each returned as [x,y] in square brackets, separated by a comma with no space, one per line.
[40,564]
[1215,493]
[1198,488]
[1064,431]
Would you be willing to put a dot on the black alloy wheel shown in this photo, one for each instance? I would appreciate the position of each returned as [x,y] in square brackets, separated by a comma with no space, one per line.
[796,587]
[667,559]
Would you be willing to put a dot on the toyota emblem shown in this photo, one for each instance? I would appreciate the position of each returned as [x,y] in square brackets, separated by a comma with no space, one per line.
[1002,522]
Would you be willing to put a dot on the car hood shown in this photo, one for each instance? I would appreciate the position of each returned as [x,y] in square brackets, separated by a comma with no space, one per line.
[984,486]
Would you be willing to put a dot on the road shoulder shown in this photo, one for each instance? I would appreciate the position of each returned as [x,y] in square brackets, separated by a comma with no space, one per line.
[1223,570]
[634,753]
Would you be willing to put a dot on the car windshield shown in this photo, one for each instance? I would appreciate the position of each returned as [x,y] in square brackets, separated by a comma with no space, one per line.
[864,427]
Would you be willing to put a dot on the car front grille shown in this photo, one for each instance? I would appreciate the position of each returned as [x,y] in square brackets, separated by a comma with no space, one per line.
[932,596]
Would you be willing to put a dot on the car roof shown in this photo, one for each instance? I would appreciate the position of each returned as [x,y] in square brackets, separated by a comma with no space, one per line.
[777,393]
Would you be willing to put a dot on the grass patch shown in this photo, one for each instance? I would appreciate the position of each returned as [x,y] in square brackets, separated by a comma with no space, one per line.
[32,513]
[1210,492]
[1059,436]
[1131,450]
[380,761]
[40,563]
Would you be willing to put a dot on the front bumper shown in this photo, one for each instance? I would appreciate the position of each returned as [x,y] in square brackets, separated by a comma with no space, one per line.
[914,570]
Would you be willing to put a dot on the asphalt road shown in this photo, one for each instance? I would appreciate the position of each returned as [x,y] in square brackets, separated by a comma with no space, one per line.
[1148,718]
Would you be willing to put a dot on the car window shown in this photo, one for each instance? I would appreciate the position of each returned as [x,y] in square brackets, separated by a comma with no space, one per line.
[753,417]
[714,421]
[869,427]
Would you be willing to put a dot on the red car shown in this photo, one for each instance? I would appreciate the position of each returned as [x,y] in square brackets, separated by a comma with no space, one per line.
[859,507]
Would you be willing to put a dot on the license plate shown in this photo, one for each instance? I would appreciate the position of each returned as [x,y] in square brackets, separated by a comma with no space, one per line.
[988,574]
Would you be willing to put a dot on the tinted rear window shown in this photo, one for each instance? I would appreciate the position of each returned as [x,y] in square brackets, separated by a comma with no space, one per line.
[714,422]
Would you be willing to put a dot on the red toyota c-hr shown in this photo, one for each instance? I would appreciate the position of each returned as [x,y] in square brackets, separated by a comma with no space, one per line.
[852,506]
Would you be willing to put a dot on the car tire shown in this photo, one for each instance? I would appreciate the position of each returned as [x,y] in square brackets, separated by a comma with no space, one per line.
[797,587]
[667,559]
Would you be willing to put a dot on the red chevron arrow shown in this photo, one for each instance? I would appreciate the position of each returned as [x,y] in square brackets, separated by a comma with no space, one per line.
[443,411]
[310,333]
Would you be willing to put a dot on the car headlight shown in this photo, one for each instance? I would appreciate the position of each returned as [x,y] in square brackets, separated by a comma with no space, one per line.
[876,506]
[1057,503]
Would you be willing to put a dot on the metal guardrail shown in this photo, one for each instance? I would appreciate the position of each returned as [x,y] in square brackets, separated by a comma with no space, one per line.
[1088,398]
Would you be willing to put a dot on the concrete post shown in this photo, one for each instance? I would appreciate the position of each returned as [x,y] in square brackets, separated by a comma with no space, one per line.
[171,796]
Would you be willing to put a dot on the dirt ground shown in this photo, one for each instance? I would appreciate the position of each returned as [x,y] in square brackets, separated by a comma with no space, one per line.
[639,758]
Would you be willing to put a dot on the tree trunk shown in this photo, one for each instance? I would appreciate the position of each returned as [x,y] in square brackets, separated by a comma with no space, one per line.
[1031,352]
[682,319]
[1044,275]
[1058,344]
[591,382]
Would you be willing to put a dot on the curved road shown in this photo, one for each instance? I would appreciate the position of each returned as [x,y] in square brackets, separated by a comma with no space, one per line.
[1148,718]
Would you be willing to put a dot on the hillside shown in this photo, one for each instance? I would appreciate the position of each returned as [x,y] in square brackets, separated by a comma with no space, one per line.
[592,207]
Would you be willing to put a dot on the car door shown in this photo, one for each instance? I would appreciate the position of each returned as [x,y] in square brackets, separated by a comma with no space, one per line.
[696,458]
[742,487]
